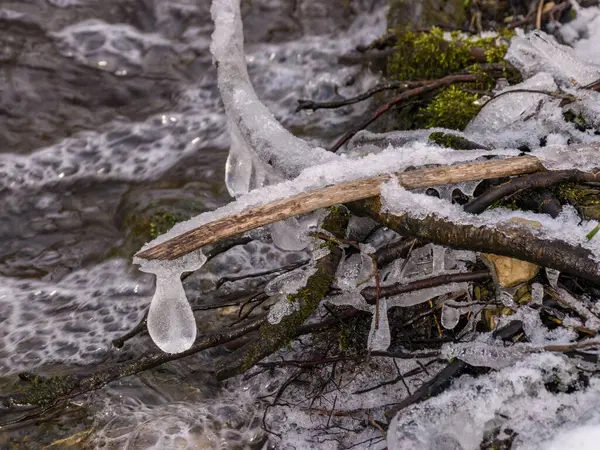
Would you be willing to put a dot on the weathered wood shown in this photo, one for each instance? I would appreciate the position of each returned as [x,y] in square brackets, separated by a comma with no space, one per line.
[333,195]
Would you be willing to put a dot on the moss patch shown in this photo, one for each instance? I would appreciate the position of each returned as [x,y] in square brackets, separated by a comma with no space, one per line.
[429,55]
[453,108]
[435,54]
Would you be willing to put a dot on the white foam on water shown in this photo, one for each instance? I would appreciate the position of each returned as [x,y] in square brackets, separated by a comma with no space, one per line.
[73,321]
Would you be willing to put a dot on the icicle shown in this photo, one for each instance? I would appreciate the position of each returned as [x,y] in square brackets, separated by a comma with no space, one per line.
[171,323]
[289,235]
[379,336]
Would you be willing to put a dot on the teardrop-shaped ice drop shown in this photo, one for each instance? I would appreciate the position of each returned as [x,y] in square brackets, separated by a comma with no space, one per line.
[171,322]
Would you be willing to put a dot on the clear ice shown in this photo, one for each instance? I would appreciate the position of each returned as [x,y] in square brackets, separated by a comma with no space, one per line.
[379,336]
[171,323]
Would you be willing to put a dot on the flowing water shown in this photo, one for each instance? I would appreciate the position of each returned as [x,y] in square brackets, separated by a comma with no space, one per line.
[110,115]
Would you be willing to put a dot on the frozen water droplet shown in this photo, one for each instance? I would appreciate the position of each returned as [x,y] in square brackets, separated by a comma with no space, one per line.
[379,336]
[281,309]
[289,282]
[353,271]
[450,317]
[289,235]
[171,322]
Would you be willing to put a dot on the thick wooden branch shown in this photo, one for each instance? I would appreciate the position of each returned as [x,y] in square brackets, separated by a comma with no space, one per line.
[333,195]
[520,243]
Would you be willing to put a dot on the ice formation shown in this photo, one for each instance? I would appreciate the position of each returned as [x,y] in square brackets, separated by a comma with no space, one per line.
[171,323]
[284,307]
[500,402]
[256,160]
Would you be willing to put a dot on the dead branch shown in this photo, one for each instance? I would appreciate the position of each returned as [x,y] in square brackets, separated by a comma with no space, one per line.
[313,105]
[536,180]
[370,293]
[517,242]
[407,95]
[342,193]
[432,387]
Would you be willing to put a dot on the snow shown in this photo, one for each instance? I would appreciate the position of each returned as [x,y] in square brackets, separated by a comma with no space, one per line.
[503,401]
[566,227]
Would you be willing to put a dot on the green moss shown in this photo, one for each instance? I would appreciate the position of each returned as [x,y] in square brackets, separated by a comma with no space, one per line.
[452,108]
[42,391]
[431,56]
[274,336]
[419,55]
[450,140]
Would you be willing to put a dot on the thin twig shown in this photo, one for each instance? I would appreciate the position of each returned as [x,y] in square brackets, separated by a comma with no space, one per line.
[431,86]
[370,293]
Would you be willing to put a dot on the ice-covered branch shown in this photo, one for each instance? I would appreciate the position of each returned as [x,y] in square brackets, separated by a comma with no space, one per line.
[501,238]
[252,123]
[241,222]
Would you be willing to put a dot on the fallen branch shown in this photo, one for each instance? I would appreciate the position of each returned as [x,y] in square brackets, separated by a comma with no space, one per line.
[342,193]
[520,243]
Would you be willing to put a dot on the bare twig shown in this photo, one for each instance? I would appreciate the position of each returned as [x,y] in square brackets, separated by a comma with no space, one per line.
[370,293]
[407,95]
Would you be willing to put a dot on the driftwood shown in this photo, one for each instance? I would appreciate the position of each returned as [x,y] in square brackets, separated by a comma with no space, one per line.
[333,195]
